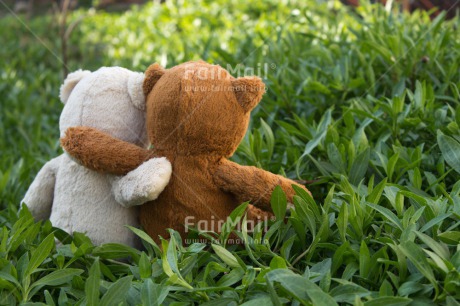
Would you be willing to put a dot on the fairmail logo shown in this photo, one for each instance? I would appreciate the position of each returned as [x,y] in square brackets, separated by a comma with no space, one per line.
[261,70]
[216,225]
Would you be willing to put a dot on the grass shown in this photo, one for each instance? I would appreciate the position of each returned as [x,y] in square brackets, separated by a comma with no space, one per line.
[363,105]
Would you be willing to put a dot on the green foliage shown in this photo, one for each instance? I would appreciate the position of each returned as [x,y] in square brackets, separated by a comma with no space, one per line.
[363,105]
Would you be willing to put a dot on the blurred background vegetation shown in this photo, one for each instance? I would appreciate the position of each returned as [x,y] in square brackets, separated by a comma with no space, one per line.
[363,105]
[316,55]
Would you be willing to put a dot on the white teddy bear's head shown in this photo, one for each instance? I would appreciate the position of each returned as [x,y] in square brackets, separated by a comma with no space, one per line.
[110,99]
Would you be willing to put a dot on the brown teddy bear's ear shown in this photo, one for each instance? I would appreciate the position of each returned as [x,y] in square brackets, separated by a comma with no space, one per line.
[152,75]
[248,91]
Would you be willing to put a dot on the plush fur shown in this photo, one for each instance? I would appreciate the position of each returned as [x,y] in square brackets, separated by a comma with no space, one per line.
[78,199]
[197,114]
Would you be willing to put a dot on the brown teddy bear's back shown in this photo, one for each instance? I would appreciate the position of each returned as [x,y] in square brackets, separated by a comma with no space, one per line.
[194,120]
[192,200]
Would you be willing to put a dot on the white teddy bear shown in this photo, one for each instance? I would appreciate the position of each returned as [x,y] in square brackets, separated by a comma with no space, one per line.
[77,199]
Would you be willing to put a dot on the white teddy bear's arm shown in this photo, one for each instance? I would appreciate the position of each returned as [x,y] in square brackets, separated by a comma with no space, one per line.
[143,184]
[39,196]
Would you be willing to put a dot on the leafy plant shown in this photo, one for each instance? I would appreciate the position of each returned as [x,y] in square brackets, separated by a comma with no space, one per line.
[362,106]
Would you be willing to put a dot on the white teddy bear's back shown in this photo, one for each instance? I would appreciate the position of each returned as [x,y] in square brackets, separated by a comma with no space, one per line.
[111,100]
[83,202]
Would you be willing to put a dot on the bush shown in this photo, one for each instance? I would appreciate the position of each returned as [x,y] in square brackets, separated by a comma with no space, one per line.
[363,105]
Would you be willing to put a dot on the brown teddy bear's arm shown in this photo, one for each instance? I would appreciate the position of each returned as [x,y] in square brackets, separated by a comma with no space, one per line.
[252,184]
[101,152]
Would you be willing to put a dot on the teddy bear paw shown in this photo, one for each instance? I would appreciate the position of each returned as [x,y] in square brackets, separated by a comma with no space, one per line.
[143,184]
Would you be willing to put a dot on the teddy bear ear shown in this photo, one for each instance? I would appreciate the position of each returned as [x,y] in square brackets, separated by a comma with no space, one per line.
[152,75]
[70,82]
[248,91]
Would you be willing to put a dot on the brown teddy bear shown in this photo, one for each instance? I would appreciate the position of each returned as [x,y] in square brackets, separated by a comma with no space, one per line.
[197,114]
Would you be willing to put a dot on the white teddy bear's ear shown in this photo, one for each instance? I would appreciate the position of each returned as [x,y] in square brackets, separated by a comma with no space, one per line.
[70,82]
[135,82]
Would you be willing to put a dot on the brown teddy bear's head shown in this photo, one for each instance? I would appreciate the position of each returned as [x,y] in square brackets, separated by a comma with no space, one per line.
[198,108]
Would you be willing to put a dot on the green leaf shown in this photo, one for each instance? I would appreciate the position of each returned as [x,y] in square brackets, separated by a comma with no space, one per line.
[220,302]
[22,265]
[248,278]
[226,256]
[342,221]
[49,298]
[450,149]
[278,262]
[270,138]
[415,254]
[175,279]
[153,294]
[301,288]
[439,262]
[92,284]
[391,165]
[4,284]
[231,278]
[389,301]
[335,157]
[8,277]
[386,289]
[435,221]
[376,193]
[273,295]
[359,167]
[62,299]
[346,293]
[416,178]
[164,260]
[305,214]
[278,203]
[450,301]
[40,254]
[320,133]
[116,250]
[259,301]
[145,267]
[117,292]
[317,86]
[307,197]
[143,235]
[232,221]
[450,237]
[57,278]
[437,247]
[390,216]
[365,263]
[419,95]
[339,255]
